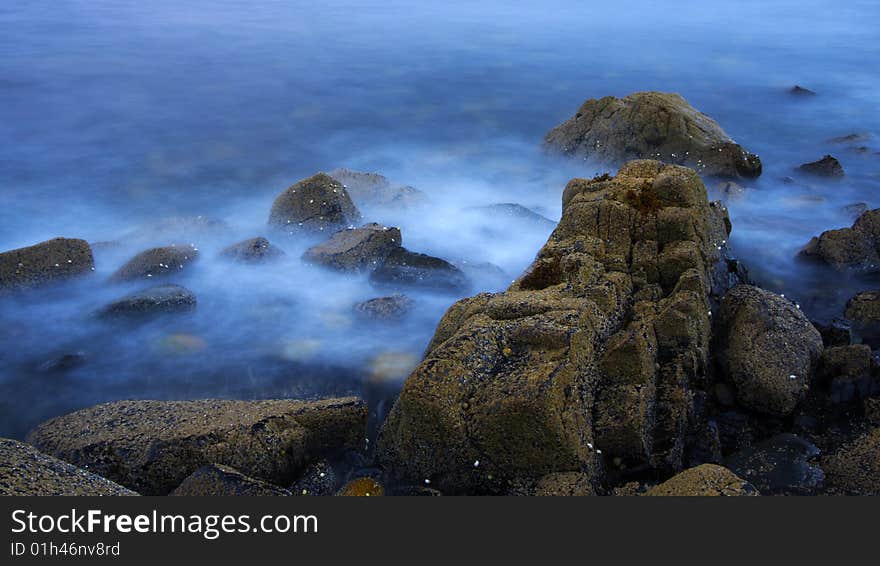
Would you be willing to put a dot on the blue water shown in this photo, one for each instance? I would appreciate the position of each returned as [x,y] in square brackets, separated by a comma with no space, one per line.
[115,115]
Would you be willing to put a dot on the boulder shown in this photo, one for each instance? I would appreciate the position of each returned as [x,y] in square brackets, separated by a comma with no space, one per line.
[854,469]
[24,470]
[373,189]
[564,484]
[217,480]
[767,349]
[315,204]
[156,262]
[356,249]
[828,166]
[653,125]
[849,373]
[837,332]
[385,308]
[254,250]
[403,269]
[856,248]
[161,299]
[780,465]
[704,480]
[46,262]
[152,446]
[863,311]
[596,347]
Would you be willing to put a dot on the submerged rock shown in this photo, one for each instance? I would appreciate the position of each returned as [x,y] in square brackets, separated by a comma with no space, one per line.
[403,268]
[373,189]
[828,166]
[53,260]
[856,248]
[704,480]
[217,480]
[779,465]
[515,211]
[863,311]
[315,204]
[356,249]
[161,299]
[851,138]
[156,262]
[254,250]
[854,469]
[24,470]
[385,308]
[767,348]
[152,446]
[798,90]
[596,347]
[652,125]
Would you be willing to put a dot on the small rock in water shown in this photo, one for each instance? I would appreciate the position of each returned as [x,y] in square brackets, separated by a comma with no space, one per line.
[356,249]
[828,166]
[253,250]
[403,268]
[780,465]
[373,189]
[798,90]
[64,363]
[49,261]
[319,203]
[161,299]
[156,262]
[851,138]
[394,307]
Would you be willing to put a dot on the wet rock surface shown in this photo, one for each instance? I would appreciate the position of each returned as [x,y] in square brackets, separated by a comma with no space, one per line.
[653,125]
[863,310]
[403,269]
[253,250]
[854,469]
[783,464]
[50,261]
[704,480]
[319,203]
[856,248]
[373,189]
[385,308]
[152,446]
[217,480]
[828,166]
[318,479]
[156,263]
[356,249]
[161,299]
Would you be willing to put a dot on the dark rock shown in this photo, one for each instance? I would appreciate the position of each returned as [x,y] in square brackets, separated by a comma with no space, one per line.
[318,479]
[565,484]
[403,268]
[828,166]
[373,189]
[161,299]
[836,333]
[779,465]
[217,480]
[313,205]
[856,248]
[848,372]
[152,446]
[652,125]
[46,262]
[704,480]
[872,410]
[24,470]
[415,491]
[385,308]
[64,363]
[863,310]
[254,250]
[156,262]
[798,90]
[851,138]
[362,487]
[356,249]
[854,469]
[767,349]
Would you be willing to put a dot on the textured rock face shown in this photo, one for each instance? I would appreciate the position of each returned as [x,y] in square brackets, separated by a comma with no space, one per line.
[24,470]
[315,204]
[152,446]
[704,480]
[356,249]
[596,347]
[254,250]
[863,310]
[215,480]
[652,125]
[161,299]
[156,262]
[855,248]
[52,260]
[767,349]
[855,468]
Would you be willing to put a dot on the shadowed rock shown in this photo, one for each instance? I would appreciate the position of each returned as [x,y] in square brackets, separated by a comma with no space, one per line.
[828,166]
[156,262]
[798,90]
[216,480]
[652,125]
[704,480]
[53,260]
[403,268]
[254,250]
[863,310]
[854,469]
[161,299]
[779,465]
[385,308]
[356,249]
[856,248]
[315,204]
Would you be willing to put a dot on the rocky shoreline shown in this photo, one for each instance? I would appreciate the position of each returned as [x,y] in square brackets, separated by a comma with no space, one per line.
[633,357]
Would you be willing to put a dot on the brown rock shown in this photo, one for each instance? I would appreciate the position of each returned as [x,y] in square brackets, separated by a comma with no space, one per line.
[704,480]
[356,249]
[565,484]
[156,262]
[828,166]
[254,250]
[216,480]
[854,469]
[856,248]
[46,262]
[315,204]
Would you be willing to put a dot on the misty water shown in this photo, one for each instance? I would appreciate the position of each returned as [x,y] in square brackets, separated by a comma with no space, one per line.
[135,124]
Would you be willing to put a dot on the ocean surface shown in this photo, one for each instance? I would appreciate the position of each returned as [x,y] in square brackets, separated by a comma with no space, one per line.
[130,124]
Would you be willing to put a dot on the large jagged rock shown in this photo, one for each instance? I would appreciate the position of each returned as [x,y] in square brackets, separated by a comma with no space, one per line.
[52,260]
[598,346]
[156,262]
[152,446]
[216,480]
[356,249]
[315,204]
[24,470]
[652,125]
[704,480]
[161,299]
[373,189]
[767,349]
[856,248]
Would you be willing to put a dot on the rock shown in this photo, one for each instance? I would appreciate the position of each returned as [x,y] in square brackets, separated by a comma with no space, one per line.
[385,308]
[318,479]
[730,190]
[192,229]
[523,382]
[64,363]
[47,262]
[373,189]
[767,349]
[848,372]
[362,487]
[486,274]
[152,446]
[652,125]
[516,212]
[156,262]
[854,469]
[416,491]
[872,410]
[856,248]
[315,204]
[161,299]
[836,333]
[851,138]
[828,166]
[779,465]
[704,480]
[798,90]
[24,470]
[863,310]
[403,268]
[217,480]
[565,484]
[356,249]
[254,250]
